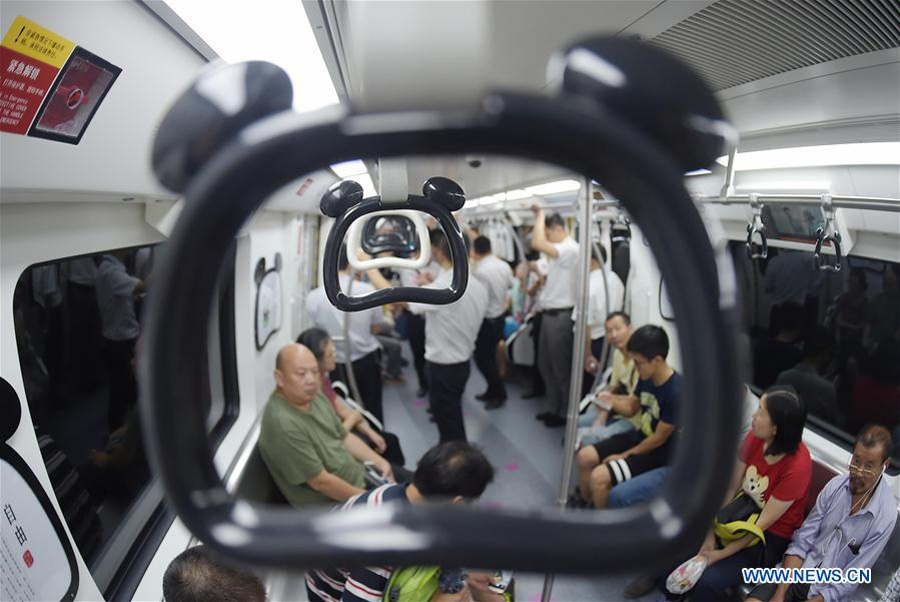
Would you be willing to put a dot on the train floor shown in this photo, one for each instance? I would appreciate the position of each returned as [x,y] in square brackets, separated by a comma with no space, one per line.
[527,457]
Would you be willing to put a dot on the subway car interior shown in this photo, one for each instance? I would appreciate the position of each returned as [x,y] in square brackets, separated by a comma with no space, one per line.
[445,301]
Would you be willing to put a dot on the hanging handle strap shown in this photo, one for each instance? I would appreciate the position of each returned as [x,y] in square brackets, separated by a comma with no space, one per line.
[828,234]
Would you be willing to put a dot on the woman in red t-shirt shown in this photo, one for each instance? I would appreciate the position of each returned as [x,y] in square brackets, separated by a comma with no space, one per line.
[774,468]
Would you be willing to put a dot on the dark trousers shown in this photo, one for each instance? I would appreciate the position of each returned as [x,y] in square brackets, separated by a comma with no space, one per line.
[84,344]
[447,383]
[118,356]
[537,380]
[415,332]
[393,453]
[367,371]
[555,360]
[486,356]
[726,574]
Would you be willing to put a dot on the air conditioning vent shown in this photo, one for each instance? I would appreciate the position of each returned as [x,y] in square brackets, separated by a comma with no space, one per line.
[732,42]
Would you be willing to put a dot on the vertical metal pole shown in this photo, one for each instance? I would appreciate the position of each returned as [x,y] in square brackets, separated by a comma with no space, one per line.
[577,375]
[348,363]
[604,354]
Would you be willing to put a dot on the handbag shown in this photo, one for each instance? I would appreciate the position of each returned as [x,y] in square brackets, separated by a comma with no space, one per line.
[738,518]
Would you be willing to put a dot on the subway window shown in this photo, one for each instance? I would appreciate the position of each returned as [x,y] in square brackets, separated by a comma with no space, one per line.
[78,325]
[833,336]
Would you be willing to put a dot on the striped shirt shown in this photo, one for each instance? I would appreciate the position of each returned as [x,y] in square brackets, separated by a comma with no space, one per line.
[892,593]
[356,585]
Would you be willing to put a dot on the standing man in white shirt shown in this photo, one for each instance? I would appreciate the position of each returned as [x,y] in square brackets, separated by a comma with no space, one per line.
[450,333]
[497,277]
[599,308]
[415,324]
[365,349]
[116,290]
[557,301]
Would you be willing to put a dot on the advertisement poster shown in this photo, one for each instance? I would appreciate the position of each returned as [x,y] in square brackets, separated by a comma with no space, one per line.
[36,558]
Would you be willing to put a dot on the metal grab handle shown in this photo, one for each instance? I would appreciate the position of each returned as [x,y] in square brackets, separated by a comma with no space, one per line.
[763,246]
[344,203]
[355,244]
[756,226]
[835,239]
[828,233]
[569,130]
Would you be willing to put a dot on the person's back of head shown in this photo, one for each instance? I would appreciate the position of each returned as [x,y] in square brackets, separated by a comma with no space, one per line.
[455,469]
[195,576]
[482,246]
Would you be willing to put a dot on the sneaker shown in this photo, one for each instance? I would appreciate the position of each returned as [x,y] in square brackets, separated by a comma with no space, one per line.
[493,404]
[640,587]
[555,420]
[576,502]
[543,415]
[422,392]
[483,396]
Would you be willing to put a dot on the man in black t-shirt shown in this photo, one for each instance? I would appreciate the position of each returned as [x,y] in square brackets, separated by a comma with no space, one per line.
[622,457]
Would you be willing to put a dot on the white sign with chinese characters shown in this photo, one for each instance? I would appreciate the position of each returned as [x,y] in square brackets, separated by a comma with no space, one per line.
[32,559]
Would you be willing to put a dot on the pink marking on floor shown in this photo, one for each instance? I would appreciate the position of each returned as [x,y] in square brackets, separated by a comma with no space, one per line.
[419,402]
[511,467]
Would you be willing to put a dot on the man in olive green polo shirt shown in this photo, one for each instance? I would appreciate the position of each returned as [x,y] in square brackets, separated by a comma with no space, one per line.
[310,455]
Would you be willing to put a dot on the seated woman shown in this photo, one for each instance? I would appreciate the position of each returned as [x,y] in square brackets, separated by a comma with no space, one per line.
[386,444]
[774,469]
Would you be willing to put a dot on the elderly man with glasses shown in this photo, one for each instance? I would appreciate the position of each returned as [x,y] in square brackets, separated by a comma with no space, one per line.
[847,529]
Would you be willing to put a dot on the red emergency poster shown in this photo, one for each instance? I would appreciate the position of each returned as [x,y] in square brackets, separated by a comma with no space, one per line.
[49,87]
[30,58]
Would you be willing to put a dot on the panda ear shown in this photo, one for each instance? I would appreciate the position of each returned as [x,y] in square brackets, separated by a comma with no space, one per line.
[260,271]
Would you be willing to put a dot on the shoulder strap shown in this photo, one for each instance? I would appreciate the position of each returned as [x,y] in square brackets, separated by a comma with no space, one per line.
[736,529]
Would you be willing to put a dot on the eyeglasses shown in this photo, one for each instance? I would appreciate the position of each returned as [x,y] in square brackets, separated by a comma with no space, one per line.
[860,470]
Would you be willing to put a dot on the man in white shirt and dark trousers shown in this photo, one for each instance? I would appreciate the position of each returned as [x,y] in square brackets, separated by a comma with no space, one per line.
[497,277]
[116,290]
[557,301]
[365,349]
[450,333]
[599,308]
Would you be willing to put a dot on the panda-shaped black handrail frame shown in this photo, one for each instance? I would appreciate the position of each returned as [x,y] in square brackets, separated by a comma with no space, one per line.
[636,159]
